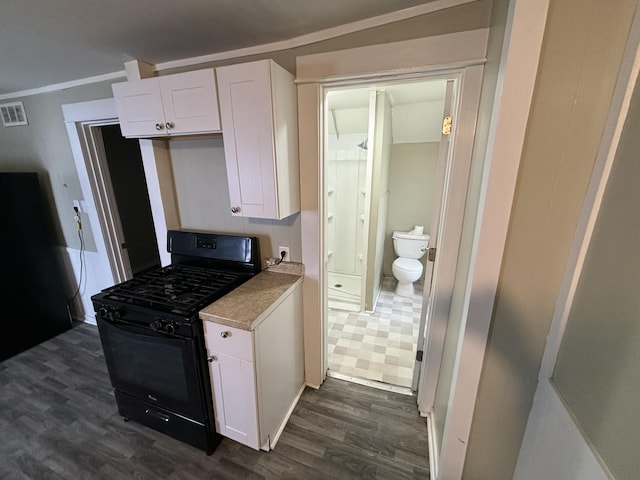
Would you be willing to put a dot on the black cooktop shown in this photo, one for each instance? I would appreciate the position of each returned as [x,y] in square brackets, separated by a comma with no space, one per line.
[204,267]
[179,289]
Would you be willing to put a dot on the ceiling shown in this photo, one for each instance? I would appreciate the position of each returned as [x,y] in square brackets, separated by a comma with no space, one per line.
[50,42]
[417,108]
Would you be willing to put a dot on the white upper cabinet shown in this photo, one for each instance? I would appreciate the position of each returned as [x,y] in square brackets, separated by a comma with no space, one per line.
[180,104]
[258,108]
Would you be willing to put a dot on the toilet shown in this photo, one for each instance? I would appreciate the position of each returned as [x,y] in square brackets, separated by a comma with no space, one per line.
[407,268]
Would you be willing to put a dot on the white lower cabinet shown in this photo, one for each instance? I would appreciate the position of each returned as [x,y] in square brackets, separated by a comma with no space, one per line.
[233,383]
[257,376]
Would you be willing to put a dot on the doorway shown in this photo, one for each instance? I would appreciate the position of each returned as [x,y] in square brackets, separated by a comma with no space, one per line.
[126,175]
[384,161]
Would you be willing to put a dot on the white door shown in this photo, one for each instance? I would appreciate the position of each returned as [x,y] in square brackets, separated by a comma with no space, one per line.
[436,309]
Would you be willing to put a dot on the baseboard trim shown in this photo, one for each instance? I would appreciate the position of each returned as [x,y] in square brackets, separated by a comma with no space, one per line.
[433,450]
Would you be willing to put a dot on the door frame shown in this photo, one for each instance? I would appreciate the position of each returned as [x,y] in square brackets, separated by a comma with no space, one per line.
[105,268]
[461,52]
[506,110]
[454,169]
[388,61]
[83,121]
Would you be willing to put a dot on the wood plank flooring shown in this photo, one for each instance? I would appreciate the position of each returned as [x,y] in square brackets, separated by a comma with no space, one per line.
[58,420]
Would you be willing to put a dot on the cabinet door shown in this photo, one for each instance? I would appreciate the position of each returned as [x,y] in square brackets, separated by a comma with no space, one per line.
[139,106]
[247,123]
[190,102]
[234,394]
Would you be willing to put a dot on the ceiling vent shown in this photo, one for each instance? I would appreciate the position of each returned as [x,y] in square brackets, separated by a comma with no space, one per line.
[13,114]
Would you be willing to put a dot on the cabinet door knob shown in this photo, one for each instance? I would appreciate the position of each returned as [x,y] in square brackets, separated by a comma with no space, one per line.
[169,125]
[225,334]
[235,209]
[159,126]
[211,358]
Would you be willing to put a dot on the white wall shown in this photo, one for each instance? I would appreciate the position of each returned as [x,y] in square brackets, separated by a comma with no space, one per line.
[202,193]
[94,277]
[411,191]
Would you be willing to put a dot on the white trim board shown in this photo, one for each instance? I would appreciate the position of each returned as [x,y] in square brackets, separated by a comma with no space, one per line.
[64,85]
[98,273]
[315,37]
[514,91]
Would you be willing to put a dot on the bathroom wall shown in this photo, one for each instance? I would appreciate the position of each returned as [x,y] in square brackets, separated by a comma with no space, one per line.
[379,208]
[411,186]
[200,176]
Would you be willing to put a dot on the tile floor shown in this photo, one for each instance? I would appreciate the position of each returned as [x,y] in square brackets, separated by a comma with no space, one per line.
[379,346]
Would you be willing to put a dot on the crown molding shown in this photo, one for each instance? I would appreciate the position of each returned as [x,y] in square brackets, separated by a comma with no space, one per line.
[315,37]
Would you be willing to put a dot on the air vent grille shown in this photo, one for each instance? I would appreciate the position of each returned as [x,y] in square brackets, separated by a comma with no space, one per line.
[13,114]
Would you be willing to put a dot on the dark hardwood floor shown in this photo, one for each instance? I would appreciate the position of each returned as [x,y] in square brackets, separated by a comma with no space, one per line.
[58,419]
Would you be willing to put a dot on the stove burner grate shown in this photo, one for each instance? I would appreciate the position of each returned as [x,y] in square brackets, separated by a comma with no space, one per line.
[179,289]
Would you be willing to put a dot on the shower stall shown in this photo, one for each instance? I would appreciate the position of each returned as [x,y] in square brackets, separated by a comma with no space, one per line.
[345,175]
[357,154]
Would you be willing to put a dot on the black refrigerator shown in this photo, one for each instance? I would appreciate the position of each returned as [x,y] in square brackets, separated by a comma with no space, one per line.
[33,287]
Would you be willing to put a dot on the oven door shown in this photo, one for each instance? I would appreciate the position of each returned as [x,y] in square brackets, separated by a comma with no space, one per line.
[159,369]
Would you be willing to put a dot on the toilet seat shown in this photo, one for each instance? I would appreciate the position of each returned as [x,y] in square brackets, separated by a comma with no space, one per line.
[408,264]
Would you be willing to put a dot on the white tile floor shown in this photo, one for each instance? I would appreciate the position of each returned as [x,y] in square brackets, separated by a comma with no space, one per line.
[379,346]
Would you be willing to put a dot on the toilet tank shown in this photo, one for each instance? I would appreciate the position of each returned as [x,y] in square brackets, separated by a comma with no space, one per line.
[410,245]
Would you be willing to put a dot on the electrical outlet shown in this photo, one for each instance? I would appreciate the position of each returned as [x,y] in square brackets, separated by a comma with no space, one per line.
[286,255]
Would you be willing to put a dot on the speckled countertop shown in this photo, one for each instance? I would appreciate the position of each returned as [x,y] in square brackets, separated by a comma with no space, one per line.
[247,305]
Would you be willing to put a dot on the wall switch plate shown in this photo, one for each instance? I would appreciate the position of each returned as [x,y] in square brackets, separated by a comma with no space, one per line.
[286,255]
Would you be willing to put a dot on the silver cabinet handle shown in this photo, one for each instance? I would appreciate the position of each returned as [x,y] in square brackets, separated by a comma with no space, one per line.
[212,358]
[225,334]
[159,126]
[169,125]
[235,209]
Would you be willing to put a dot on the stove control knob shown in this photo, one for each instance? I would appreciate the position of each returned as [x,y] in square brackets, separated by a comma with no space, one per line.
[103,312]
[155,325]
[225,334]
[170,328]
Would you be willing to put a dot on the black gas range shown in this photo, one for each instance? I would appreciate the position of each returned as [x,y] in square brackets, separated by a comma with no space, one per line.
[153,340]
